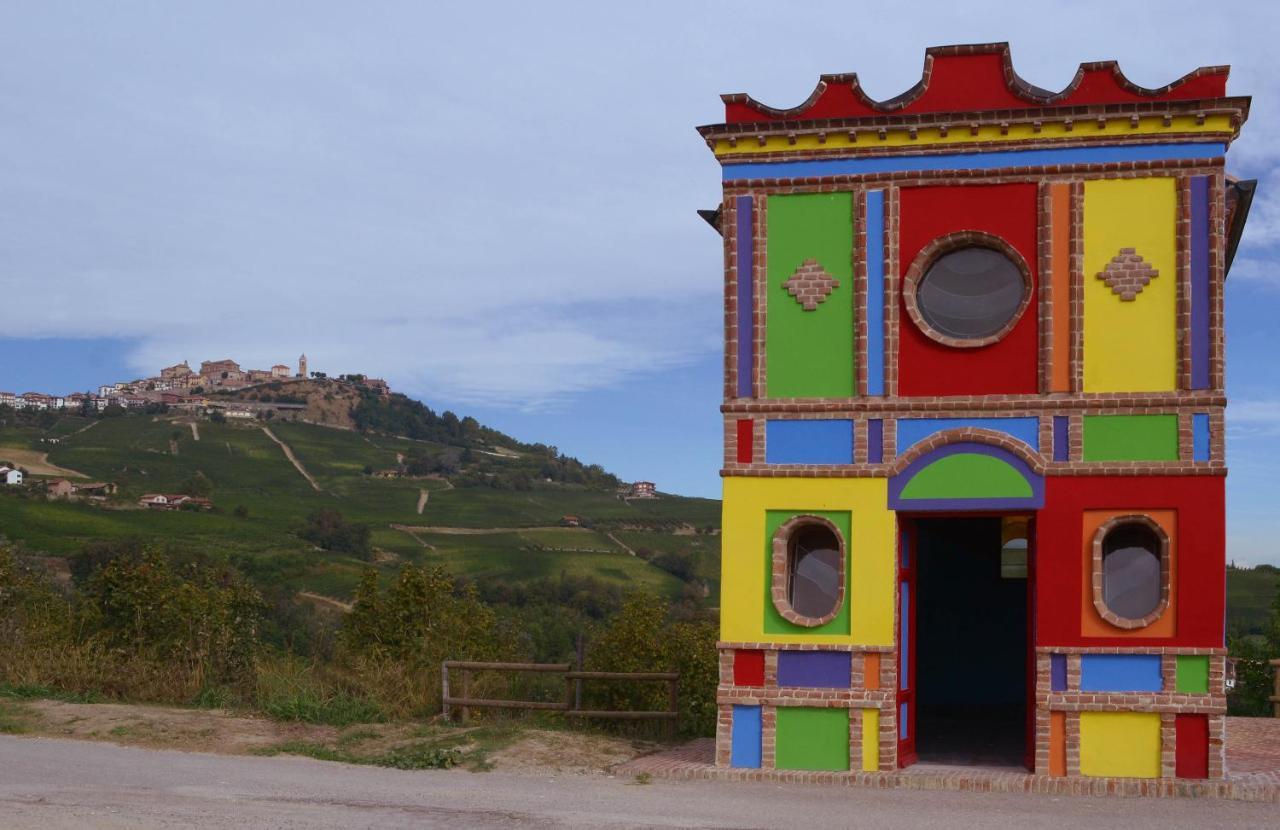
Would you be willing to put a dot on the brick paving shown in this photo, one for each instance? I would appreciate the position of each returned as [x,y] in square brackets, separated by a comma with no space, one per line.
[1253,772]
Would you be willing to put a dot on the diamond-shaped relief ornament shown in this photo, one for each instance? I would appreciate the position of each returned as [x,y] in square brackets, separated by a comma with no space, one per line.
[811,284]
[1127,274]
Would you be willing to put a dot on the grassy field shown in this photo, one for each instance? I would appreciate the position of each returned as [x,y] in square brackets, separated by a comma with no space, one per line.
[145,454]
[1250,592]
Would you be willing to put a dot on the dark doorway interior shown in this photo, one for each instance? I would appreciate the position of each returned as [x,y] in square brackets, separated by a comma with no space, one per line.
[971,639]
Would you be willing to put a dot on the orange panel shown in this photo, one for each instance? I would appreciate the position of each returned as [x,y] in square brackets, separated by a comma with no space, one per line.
[1060,276]
[871,670]
[1057,743]
[1091,624]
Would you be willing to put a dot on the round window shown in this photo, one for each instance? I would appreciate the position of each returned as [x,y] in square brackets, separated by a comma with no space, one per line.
[971,293]
[1131,577]
[814,572]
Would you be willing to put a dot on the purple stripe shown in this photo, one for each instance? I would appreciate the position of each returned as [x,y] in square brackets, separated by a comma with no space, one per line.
[746,296]
[1200,282]
[1057,672]
[899,482]
[875,441]
[1061,441]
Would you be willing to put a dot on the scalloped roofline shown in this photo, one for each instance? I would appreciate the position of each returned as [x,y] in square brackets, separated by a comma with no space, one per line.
[840,96]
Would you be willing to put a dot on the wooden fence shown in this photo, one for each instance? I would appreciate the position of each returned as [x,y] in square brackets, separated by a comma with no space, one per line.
[571,706]
[1275,698]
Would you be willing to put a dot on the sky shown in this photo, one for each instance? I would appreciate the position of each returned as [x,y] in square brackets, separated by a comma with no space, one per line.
[493,205]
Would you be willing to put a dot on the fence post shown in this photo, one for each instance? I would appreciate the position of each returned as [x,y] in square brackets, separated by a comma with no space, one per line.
[577,684]
[465,711]
[444,690]
[1275,698]
[673,703]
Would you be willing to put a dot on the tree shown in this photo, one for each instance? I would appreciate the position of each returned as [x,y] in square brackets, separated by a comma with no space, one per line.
[198,485]
[328,529]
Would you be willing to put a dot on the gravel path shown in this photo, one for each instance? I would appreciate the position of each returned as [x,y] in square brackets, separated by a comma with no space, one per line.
[49,784]
[293,459]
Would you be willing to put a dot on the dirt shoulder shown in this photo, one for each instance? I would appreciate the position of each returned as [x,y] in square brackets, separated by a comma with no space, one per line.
[36,463]
[502,746]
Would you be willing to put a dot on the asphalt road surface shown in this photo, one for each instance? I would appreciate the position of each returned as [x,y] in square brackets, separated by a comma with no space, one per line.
[50,784]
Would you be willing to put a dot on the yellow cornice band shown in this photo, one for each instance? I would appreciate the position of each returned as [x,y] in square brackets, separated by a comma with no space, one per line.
[868,138]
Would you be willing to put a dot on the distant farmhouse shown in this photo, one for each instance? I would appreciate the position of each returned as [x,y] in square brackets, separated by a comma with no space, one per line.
[10,476]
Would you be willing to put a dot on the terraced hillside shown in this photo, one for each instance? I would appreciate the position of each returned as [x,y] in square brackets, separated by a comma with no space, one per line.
[454,518]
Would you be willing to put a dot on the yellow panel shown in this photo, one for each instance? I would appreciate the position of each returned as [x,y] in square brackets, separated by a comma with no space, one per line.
[1130,346]
[871,566]
[870,740]
[837,140]
[1120,744]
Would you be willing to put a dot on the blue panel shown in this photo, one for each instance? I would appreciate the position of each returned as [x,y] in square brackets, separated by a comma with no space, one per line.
[914,430]
[902,721]
[970,161]
[815,669]
[808,442]
[1057,672]
[745,749]
[746,301]
[1120,673]
[1061,438]
[905,616]
[875,292]
[875,441]
[1200,437]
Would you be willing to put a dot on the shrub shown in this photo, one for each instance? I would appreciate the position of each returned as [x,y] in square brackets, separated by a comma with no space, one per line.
[642,638]
[328,529]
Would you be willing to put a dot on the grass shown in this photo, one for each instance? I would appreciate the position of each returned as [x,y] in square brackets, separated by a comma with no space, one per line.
[1250,593]
[427,747]
[27,691]
[247,468]
[13,719]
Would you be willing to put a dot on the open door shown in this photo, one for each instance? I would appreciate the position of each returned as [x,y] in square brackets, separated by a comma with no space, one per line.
[1029,753]
[906,644]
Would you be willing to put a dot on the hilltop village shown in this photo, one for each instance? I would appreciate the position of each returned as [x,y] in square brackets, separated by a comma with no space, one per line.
[181,387]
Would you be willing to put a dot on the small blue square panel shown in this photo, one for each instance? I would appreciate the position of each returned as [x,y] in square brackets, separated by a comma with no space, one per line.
[825,441]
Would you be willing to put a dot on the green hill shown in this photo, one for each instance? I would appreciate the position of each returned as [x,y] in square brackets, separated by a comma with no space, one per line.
[493,512]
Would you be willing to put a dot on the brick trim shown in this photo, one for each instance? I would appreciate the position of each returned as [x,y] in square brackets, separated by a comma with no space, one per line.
[1099,537]
[861,332]
[1076,282]
[780,591]
[892,287]
[950,243]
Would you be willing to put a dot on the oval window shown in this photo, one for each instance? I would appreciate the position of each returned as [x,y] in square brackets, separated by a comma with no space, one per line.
[971,293]
[1131,573]
[813,571]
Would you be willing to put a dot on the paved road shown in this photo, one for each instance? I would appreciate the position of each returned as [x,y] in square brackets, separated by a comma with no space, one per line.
[51,784]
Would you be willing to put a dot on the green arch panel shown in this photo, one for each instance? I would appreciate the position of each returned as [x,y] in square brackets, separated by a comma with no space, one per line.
[967,476]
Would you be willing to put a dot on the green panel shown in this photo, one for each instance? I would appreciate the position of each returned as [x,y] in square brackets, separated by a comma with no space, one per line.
[809,353]
[1131,438]
[967,475]
[773,621]
[1193,674]
[815,739]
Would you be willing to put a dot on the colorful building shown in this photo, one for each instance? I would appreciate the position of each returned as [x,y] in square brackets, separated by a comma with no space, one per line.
[973,420]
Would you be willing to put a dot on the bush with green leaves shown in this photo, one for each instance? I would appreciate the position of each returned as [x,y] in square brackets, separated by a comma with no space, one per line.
[642,637]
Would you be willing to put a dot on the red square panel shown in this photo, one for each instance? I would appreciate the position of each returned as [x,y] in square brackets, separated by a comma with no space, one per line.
[748,667]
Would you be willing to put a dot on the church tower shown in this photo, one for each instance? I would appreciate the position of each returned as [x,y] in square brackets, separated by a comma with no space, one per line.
[302,366]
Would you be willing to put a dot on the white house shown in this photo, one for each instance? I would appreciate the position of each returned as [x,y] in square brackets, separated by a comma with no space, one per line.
[10,476]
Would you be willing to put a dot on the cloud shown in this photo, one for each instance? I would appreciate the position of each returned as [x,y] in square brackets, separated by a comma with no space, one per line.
[499,214]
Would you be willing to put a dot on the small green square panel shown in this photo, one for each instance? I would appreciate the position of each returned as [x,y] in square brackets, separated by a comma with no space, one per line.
[1193,674]
[812,739]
